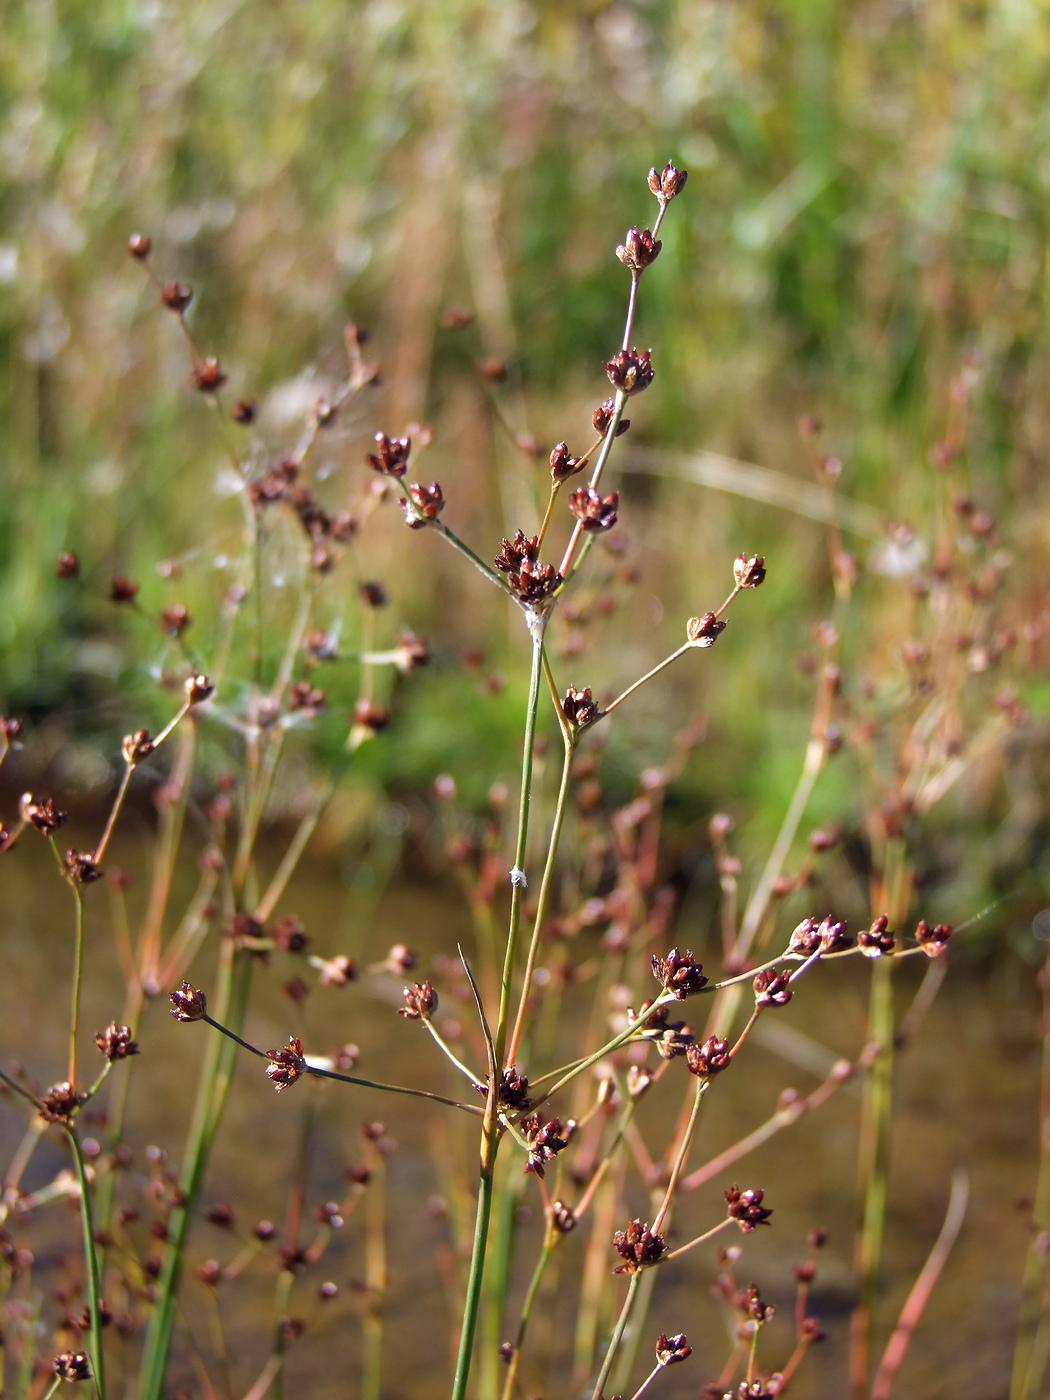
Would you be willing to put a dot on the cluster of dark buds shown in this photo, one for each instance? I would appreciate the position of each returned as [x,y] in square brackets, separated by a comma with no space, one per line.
[175,619]
[876,940]
[580,707]
[932,941]
[704,631]
[672,1349]
[42,813]
[679,973]
[424,503]
[772,988]
[592,510]
[710,1057]
[81,867]
[176,296]
[72,1366]
[754,1306]
[811,1331]
[563,1217]
[638,1247]
[67,565]
[638,249]
[116,1043]
[421,1002]
[197,688]
[749,572]
[630,371]
[137,746]
[123,590]
[391,455]
[60,1103]
[207,375]
[563,463]
[140,245]
[286,1063]
[305,697]
[519,560]
[746,1208]
[829,935]
[289,934]
[671,1038]
[513,1091]
[750,1390]
[545,1141]
[188,1003]
[666,183]
[603,416]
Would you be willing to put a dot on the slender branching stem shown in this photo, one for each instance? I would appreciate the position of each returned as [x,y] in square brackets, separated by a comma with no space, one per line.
[702,1084]
[94,1281]
[118,802]
[616,1339]
[647,677]
[447,1050]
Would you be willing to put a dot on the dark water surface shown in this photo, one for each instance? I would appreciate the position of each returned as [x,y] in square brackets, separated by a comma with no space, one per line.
[966,1096]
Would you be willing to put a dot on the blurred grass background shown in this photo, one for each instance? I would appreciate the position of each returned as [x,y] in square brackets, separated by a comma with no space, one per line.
[866,216]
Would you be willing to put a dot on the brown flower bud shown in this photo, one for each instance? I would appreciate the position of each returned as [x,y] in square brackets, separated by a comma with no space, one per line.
[369,715]
[421,1001]
[630,371]
[563,1217]
[933,941]
[122,590]
[563,463]
[391,455]
[746,1208]
[772,988]
[424,503]
[374,595]
[666,183]
[286,1064]
[188,1003]
[638,1247]
[603,416]
[198,688]
[42,813]
[243,412]
[176,297]
[709,1058]
[579,706]
[116,1043]
[638,249]
[672,1349]
[875,941]
[72,1366]
[544,1140]
[679,973]
[593,511]
[175,619]
[67,565]
[305,697]
[60,1103]
[207,376]
[704,631]
[749,572]
[81,867]
[140,246]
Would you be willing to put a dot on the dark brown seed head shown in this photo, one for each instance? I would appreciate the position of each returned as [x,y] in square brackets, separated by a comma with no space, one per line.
[638,249]
[305,697]
[704,631]
[243,412]
[60,1103]
[424,503]
[176,297]
[933,941]
[833,935]
[545,1142]
[672,1349]
[710,1057]
[116,1043]
[175,619]
[666,183]
[638,1247]
[563,463]
[749,572]
[10,727]
[746,1208]
[603,416]
[391,455]
[593,511]
[373,595]
[81,867]
[805,938]
[286,1064]
[188,1003]
[772,988]
[67,565]
[209,1273]
[563,1217]
[42,813]
[679,973]
[580,707]
[421,1001]
[72,1366]
[198,688]
[289,934]
[137,746]
[876,940]
[139,246]
[123,590]
[630,371]
[513,1091]
[368,715]
[207,376]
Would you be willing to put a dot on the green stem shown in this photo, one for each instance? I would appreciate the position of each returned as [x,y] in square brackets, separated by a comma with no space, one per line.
[94,1282]
[472,1300]
[617,1337]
